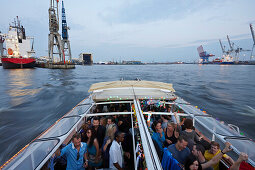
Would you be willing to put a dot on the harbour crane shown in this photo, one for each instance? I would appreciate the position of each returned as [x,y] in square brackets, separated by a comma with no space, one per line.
[54,39]
[65,37]
[204,56]
[234,50]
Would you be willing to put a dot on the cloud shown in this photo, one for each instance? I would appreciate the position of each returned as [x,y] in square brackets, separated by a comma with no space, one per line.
[137,25]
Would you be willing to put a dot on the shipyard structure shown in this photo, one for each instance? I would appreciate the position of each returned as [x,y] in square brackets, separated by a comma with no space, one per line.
[85,59]
[59,49]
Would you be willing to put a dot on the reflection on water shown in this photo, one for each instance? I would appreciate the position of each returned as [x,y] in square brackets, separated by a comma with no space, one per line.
[20,85]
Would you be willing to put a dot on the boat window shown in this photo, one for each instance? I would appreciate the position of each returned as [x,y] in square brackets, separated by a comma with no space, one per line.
[216,126]
[190,109]
[34,156]
[80,109]
[244,145]
[180,101]
[61,128]
[206,132]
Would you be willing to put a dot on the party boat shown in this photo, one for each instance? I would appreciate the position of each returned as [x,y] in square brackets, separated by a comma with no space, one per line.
[134,94]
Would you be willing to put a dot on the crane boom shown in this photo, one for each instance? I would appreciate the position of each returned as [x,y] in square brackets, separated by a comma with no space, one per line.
[231,48]
[223,50]
[252,33]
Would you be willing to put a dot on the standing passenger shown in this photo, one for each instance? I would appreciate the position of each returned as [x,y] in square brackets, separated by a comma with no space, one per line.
[116,160]
[100,131]
[109,137]
[94,157]
[75,153]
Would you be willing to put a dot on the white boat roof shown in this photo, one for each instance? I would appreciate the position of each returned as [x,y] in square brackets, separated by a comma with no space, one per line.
[122,84]
[129,90]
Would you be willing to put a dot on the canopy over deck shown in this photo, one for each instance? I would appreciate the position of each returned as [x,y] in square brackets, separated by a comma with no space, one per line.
[121,84]
[129,90]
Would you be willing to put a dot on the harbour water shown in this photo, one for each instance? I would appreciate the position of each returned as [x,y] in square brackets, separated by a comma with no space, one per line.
[33,99]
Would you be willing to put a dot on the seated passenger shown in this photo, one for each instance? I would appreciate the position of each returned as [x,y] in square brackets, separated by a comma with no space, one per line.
[158,135]
[179,150]
[215,150]
[94,156]
[171,134]
[192,163]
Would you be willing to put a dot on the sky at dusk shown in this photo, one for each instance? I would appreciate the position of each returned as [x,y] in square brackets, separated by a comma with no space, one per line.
[146,30]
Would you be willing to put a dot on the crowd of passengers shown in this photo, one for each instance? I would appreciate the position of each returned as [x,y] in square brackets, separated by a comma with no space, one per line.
[190,150]
[103,142]
[106,142]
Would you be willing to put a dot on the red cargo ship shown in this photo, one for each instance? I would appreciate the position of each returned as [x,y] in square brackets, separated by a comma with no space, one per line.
[18,47]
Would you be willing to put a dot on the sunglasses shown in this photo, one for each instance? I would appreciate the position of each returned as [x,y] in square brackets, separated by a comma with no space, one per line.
[78,156]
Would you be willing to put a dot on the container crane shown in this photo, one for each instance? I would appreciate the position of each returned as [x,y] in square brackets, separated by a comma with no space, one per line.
[204,56]
[65,38]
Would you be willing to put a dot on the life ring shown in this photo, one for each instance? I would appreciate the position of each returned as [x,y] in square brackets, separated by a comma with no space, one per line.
[10,51]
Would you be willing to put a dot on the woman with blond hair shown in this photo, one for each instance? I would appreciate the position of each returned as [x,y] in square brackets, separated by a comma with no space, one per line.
[109,137]
[171,134]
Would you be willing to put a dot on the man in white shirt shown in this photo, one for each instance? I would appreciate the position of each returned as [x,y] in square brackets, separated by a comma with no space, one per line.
[116,160]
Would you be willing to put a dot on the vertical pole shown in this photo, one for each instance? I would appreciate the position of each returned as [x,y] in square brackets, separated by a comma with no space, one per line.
[64,57]
[133,137]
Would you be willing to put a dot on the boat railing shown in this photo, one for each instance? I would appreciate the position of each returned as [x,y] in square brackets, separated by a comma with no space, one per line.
[151,157]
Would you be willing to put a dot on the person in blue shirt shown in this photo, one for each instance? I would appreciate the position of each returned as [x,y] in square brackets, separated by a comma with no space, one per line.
[75,153]
[179,150]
